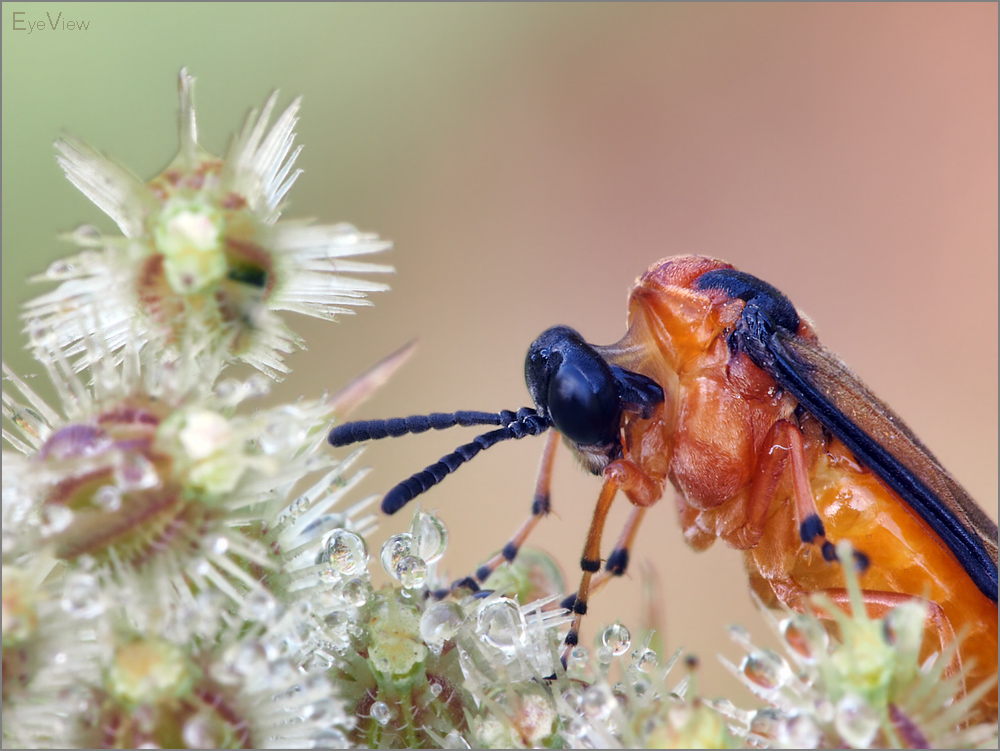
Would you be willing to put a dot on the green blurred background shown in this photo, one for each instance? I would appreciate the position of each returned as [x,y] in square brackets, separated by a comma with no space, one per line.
[529,161]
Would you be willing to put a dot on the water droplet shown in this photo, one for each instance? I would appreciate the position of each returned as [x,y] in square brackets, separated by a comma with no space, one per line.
[198,732]
[60,269]
[381,713]
[86,234]
[356,592]
[597,702]
[501,625]
[644,659]
[804,636]
[617,639]
[135,472]
[430,536]
[257,386]
[229,391]
[411,571]
[856,721]
[766,723]
[578,656]
[394,550]
[260,606]
[436,689]
[55,518]
[604,655]
[82,596]
[108,497]
[345,554]
[800,731]
[284,430]
[765,669]
[440,623]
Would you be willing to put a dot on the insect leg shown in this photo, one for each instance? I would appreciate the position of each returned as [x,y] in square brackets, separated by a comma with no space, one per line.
[618,561]
[540,507]
[784,447]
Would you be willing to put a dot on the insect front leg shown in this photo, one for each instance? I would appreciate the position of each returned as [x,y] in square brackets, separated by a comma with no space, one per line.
[618,475]
[540,507]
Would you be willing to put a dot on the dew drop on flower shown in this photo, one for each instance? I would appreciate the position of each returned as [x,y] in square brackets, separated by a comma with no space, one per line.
[765,669]
[356,591]
[597,702]
[501,625]
[135,472]
[604,655]
[82,596]
[766,723]
[430,536]
[220,545]
[345,553]
[108,497]
[259,605]
[800,731]
[440,623]
[55,518]
[411,571]
[257,386]
[578,656]
[644,659]
[436,689]
[283,431]
[381,713]
[804,636]
[856,721]
[617,639]
[60,269]
[394,550]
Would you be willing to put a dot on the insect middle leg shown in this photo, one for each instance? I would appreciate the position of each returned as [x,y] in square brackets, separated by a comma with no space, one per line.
[784,448]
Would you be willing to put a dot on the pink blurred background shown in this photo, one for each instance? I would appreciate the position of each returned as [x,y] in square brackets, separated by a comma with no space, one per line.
[530,161]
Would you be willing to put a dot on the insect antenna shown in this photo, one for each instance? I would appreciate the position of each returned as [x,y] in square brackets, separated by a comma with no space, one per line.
[526,421]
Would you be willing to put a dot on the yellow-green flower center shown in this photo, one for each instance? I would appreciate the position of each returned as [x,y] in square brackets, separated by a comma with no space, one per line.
[189,236]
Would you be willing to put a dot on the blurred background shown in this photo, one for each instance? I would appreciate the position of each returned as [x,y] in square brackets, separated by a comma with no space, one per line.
[529,161]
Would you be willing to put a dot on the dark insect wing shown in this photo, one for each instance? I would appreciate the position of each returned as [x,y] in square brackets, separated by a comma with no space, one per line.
[879,439]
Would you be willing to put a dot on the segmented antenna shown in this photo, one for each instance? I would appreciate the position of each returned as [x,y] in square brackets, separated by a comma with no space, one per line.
[526,421]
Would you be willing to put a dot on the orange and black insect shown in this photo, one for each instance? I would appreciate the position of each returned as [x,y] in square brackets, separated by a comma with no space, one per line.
[773,445]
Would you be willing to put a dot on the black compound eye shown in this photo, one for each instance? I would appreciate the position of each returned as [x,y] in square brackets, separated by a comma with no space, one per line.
[585,411]
[574,387]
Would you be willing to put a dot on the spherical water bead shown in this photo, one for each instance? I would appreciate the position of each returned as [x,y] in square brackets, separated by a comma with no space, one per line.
[381,713]
[440,623]
[257,386]
[800,731]
[766,723]
[394,550]
[604,655]
[259,605]
[856,721]
[804,636]
[345,554]
[283,430]
[411,571]
[765,669]
[108,497]
[578,656]
[356,592]
[430,536]
[501,625]
[617,639]
[435,689]
[644,659]
[82,596]
[597,702]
